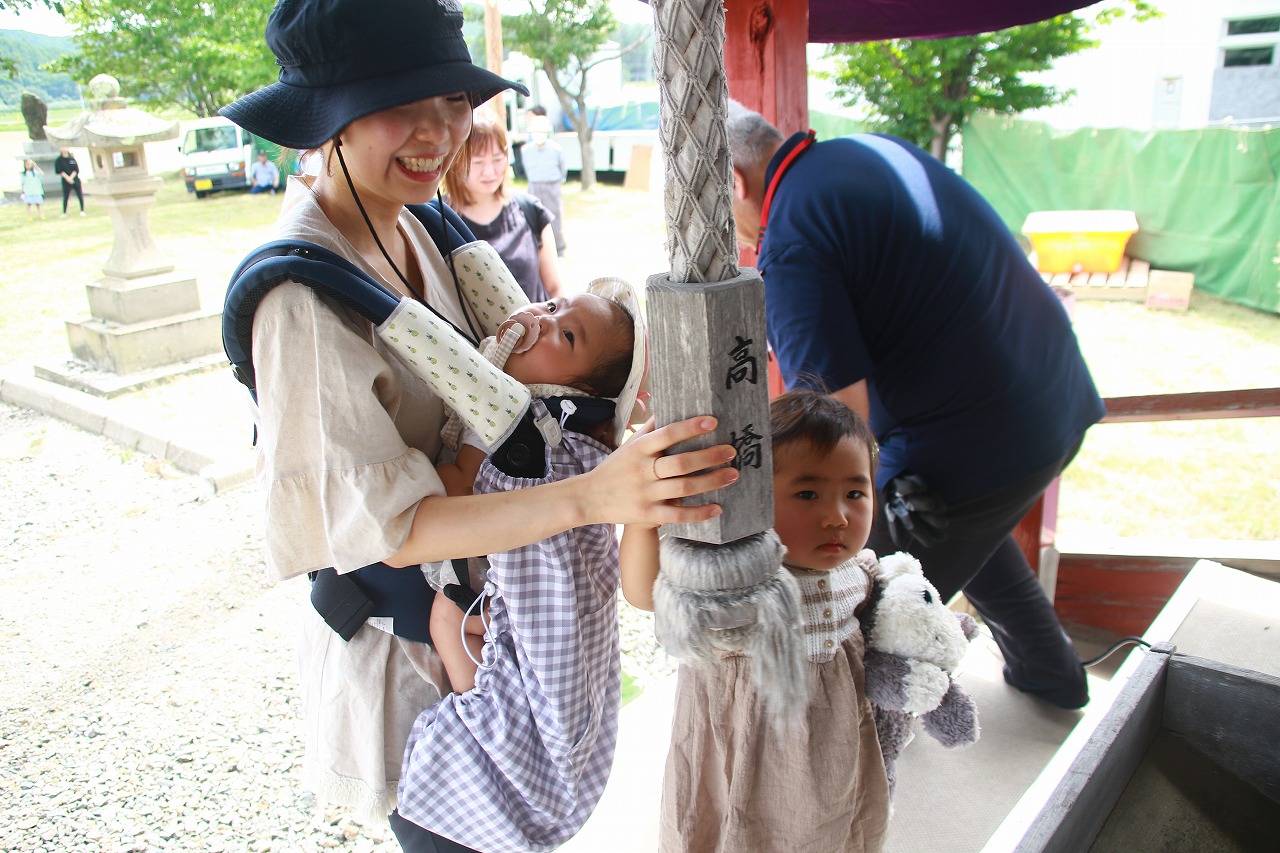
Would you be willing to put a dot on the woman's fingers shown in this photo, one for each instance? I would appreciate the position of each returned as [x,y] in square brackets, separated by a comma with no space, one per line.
[653,440]
[682,464]
[642,485]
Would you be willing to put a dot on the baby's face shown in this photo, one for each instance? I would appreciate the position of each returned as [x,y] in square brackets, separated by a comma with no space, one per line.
[564,341]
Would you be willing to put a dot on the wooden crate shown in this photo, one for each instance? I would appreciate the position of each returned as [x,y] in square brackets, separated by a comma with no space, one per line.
[1128,283]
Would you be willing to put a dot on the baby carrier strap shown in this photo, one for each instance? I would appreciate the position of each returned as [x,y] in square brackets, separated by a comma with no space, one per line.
[305,263]
[326,272]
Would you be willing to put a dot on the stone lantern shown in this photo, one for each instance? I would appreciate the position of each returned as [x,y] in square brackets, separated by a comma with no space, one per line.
[146,321]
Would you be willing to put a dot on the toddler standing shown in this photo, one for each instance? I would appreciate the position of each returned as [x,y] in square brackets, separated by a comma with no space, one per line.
[33,189]
[734,781]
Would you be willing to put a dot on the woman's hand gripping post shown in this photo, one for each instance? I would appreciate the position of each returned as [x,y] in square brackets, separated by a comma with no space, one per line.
[639,484]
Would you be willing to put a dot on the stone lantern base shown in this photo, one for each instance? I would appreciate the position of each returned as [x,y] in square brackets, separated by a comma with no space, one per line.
[142,331]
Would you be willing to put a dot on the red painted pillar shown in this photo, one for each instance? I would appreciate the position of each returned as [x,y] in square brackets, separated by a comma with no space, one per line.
[767,70]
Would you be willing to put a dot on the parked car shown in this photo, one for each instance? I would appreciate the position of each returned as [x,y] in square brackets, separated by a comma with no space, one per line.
[217,155]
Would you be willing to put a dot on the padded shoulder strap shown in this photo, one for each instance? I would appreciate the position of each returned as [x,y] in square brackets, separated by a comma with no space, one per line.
[304,263]
[444,225]
[323,270]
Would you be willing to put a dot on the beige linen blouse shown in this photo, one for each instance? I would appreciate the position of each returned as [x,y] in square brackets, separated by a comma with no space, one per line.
[347,439]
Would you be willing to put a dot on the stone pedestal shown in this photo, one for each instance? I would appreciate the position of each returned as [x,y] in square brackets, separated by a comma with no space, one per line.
[140,331]
[144,323]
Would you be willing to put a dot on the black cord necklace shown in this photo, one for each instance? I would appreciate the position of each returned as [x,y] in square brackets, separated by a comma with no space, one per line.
[474,337]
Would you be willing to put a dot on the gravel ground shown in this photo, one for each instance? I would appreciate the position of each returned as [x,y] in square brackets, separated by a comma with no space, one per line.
[149,699]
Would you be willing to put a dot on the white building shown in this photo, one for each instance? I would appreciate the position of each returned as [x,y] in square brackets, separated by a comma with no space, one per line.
[1205,62]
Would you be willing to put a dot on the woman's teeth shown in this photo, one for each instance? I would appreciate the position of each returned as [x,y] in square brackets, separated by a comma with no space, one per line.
[421,164]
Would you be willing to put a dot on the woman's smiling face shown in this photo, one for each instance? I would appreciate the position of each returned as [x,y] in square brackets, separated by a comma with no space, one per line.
[488,170]
[399,155]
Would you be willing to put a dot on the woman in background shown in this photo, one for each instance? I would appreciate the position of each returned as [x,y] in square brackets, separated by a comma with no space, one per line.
[514,223]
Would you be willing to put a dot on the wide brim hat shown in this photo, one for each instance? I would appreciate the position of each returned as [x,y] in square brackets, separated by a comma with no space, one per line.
[341,60]
[630,406]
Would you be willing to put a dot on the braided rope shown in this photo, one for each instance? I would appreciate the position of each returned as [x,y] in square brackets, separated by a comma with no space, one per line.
[688,57]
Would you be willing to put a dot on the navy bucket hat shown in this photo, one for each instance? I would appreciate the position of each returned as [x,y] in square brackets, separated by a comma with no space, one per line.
[343,59]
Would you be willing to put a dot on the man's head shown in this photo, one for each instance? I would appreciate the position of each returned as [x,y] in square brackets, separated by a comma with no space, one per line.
[752,144]
[539,129]
[262,156]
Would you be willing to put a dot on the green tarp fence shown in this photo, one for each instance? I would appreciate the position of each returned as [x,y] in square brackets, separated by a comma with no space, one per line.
[1208,200]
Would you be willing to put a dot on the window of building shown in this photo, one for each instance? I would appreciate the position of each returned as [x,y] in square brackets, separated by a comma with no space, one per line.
[1250,41]
[1252,26]
[1234,58]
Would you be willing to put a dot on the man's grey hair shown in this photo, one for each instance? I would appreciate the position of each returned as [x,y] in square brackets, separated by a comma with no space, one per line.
[752,140]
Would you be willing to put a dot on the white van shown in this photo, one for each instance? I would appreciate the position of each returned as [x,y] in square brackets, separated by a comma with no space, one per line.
[217,155]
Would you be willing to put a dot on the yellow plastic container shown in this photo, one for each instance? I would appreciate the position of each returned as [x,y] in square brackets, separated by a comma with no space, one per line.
[1079,240]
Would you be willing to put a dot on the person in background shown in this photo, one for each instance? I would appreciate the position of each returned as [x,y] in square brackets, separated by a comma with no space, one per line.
[69,171]
[890,280]
[33,189]
[349,435]
[514,223]
[265,175]
[544,166]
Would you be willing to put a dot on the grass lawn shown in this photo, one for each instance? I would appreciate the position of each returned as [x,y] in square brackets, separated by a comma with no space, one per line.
[58,116]
[1193,479]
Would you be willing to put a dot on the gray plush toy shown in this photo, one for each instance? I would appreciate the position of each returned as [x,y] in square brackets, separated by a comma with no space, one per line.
[913,645]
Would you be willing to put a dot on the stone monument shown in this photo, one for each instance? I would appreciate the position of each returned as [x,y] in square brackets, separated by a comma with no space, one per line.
[37,147]
[146,322]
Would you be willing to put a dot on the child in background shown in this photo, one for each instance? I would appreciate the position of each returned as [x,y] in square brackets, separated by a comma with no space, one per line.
[733,781]
[583,343]
[33,189]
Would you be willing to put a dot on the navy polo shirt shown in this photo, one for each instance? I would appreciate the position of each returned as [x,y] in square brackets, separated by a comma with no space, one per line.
[880,263]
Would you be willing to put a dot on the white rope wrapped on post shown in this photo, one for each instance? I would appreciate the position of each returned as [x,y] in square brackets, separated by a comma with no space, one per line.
[722,588]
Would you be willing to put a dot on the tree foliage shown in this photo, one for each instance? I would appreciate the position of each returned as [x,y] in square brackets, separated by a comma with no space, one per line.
[922,89]
[9,63]
[196,55]
[28,52]
[565,37]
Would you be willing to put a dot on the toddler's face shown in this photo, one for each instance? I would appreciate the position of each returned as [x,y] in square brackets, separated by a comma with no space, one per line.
[822,502]
[565,339]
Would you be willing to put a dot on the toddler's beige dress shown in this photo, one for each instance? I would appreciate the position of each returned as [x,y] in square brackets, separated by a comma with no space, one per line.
[734,785]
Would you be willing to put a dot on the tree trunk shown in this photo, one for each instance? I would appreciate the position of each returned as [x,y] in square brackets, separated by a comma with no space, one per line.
[575,107]
[941,137]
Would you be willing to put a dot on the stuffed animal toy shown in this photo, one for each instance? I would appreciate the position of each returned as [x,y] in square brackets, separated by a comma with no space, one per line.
[913,645]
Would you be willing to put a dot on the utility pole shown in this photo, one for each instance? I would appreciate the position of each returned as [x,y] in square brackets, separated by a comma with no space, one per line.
[493,53]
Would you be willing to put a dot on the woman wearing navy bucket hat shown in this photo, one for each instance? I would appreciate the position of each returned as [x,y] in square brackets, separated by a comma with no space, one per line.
[348,436]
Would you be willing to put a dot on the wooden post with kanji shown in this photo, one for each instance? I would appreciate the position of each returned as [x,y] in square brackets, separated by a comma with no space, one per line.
[713,358]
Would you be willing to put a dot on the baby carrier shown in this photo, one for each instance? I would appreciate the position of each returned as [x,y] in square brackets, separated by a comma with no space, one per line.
[492,404]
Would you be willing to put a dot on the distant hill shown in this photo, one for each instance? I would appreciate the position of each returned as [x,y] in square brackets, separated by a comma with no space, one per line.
[29,51]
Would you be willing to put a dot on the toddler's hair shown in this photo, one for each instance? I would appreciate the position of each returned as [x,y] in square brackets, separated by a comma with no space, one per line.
[610,375]
[820,421]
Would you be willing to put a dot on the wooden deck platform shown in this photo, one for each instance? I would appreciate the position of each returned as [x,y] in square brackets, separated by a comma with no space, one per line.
[1127,283]
[1134,281]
